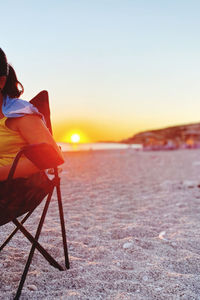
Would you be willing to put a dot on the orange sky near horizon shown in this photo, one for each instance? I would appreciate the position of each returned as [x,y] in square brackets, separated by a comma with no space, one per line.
[89,131]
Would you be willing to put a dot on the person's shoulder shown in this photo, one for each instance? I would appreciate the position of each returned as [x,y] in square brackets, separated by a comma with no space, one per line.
[14,107]
[26,121]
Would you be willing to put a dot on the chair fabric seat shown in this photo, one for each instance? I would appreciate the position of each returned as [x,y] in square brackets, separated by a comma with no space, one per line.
[25,194]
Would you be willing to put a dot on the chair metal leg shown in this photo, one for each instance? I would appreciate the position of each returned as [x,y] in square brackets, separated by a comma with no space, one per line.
[15,231]
[34,246]
[41,249]
[62,222]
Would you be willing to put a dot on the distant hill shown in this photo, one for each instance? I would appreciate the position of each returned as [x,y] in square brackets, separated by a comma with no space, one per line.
[183,136]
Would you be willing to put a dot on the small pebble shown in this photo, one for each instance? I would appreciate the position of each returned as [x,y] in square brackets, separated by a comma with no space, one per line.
[161,235]
[127,245]
[145,278]
[32,287]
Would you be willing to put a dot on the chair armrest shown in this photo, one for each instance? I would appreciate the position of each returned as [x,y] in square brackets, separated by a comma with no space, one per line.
[42,155]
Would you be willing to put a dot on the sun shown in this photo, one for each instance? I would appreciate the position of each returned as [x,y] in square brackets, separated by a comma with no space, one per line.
[75,138]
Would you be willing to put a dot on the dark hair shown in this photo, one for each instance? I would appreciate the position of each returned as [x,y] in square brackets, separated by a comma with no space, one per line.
[13,88]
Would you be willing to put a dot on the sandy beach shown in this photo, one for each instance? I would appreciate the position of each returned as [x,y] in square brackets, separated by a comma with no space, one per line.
[133,230]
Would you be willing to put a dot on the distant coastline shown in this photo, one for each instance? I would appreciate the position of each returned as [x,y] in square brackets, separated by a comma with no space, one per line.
[169,138]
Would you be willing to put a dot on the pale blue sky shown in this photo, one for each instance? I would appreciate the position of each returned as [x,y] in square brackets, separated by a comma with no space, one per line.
[119,66]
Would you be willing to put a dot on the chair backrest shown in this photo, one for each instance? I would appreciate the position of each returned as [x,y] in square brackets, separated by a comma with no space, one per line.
[36,153]
[41,102]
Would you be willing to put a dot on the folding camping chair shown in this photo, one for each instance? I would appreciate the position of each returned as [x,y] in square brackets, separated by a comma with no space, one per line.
[44,157]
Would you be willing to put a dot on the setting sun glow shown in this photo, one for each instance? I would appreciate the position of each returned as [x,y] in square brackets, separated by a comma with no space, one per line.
[75,138]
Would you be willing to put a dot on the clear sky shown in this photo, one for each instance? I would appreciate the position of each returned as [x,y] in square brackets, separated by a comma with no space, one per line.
[112,67]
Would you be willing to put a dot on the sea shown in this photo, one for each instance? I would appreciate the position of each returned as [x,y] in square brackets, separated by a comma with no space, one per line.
[97,146]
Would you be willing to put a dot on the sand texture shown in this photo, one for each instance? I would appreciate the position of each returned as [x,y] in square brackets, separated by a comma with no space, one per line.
[133,230]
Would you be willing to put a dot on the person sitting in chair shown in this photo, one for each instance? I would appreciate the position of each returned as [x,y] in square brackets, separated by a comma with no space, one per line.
[21,124]
[16,132]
